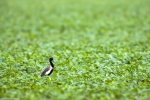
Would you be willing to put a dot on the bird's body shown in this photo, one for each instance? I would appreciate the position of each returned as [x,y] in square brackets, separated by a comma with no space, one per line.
[49,70]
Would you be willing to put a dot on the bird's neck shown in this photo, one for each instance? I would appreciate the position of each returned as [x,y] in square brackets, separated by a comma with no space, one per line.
[51,64]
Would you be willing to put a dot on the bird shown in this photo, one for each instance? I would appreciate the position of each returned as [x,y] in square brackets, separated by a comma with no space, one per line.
[49,70]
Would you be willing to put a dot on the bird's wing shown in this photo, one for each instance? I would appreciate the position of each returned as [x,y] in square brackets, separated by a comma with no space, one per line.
[45,71]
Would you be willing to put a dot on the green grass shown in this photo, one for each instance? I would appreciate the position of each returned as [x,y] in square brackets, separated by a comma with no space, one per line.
[101,49]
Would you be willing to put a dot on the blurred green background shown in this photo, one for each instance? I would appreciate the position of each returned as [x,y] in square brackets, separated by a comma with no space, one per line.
[101,49]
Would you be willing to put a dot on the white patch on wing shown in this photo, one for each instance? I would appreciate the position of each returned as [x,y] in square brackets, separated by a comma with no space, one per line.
[49,70]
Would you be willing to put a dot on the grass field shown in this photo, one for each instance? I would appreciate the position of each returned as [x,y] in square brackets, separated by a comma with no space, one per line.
[101,49]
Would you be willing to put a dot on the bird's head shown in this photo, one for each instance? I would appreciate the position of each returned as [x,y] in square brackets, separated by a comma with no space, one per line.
[50,59]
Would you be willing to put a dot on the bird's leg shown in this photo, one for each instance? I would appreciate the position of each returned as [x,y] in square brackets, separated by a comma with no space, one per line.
[49,79]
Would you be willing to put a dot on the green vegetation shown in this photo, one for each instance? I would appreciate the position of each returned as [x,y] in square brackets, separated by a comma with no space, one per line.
[101,49]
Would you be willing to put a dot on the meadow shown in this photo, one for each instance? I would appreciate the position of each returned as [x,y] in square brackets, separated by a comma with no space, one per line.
[101,49]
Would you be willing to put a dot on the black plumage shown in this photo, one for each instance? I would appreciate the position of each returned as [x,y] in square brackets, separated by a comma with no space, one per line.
[49,70]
